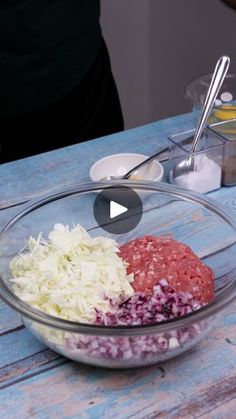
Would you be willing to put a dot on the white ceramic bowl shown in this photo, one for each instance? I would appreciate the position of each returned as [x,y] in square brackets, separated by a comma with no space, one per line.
[119,164]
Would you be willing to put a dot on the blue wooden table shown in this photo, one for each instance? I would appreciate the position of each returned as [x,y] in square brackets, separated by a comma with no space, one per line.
[36,382]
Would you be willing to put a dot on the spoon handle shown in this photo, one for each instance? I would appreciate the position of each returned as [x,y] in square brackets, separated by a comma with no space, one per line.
[219,74]
[163,155]
[143,163]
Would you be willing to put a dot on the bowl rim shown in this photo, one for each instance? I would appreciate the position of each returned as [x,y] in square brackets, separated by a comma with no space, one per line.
[26,310]
[97,162]
[202,77]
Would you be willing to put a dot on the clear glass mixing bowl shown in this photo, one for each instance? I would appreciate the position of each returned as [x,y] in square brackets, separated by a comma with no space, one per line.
[168,211]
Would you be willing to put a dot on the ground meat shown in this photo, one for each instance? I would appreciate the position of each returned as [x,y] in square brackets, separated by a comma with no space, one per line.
[151,259]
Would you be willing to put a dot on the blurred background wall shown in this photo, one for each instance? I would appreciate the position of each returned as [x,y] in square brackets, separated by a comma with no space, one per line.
[156,46]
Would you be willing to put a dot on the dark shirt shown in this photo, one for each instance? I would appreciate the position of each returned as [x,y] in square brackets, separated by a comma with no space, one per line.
[46,48]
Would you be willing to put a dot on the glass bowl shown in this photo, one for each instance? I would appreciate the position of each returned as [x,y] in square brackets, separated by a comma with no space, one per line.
[225,106]
[168,211]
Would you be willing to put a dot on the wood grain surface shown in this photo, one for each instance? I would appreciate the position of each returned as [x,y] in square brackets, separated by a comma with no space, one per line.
[36,382]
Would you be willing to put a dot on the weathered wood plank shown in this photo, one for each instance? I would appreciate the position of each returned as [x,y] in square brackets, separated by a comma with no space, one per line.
[18,345]
[29,366]
[204,401]
[75,390]
[197,384]
[10,320]
[46,173]
[223,411]
[7,214]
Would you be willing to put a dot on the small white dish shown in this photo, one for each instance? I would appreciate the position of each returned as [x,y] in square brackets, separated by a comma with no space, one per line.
[119,164]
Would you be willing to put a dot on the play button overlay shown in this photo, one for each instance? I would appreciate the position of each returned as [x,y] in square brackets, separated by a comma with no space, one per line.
[118,209]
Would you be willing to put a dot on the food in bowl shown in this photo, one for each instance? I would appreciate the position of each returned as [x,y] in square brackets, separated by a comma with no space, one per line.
[92,280]
[117,165]
[70,275]
[142,309]
[170,212]
[224,109]
[225,113]
[150,259]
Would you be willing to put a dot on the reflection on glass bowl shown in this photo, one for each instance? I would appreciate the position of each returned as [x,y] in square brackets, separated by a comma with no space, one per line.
[169,211]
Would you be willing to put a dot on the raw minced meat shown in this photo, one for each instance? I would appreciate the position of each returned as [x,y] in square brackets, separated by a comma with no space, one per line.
[151,259]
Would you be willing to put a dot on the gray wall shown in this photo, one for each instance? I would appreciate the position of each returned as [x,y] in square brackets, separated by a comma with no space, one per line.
[156,46]
[126,29]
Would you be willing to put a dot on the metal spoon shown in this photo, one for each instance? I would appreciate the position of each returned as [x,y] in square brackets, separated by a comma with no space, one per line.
[135,168]
[163,155]
[218,77]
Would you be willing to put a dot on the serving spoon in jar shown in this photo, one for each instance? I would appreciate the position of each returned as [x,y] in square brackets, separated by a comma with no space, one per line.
[218,77]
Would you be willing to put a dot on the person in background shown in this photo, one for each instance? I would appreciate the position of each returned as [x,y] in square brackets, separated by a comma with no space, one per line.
[56,83]
[230,3]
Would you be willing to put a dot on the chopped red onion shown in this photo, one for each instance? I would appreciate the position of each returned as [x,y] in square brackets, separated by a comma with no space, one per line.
[141,309]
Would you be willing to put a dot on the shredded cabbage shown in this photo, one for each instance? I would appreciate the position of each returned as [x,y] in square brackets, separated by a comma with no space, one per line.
[70,275]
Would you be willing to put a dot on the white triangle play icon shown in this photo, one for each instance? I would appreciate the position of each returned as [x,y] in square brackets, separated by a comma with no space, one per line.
[116,209]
